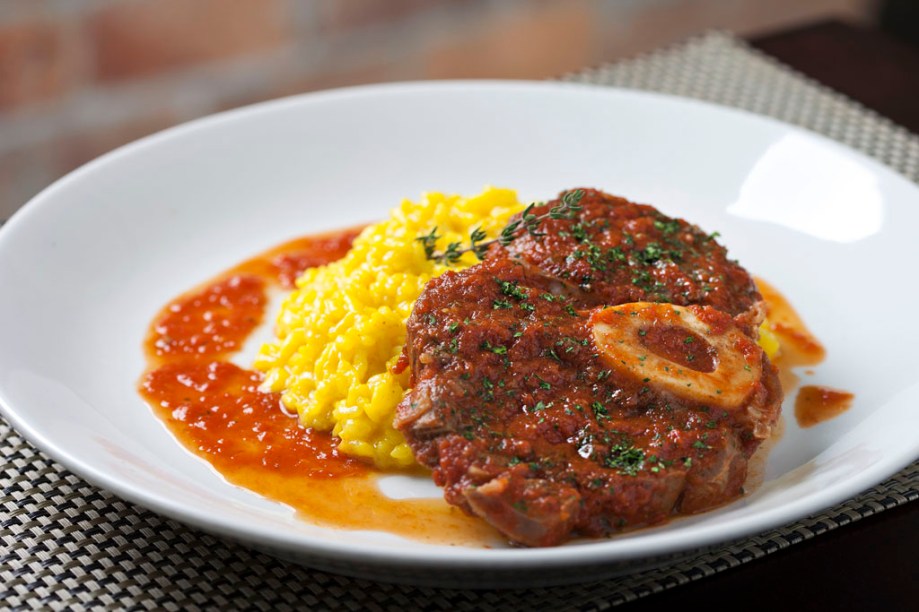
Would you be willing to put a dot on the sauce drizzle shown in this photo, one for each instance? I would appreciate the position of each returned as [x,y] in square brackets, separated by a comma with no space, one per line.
[800,348]
[216,409]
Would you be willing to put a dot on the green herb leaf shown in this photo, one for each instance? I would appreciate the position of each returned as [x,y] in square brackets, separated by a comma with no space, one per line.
[529,222]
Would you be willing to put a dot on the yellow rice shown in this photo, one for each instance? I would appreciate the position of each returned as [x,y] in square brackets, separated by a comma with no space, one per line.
[342,329]
[768,341]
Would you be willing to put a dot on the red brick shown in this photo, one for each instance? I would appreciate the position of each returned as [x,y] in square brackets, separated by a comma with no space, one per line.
[23,173]
[546,41]
[753,16]
[374,72]
[153,36]
[343,14]
[74,150]
[26,170]
[37,62]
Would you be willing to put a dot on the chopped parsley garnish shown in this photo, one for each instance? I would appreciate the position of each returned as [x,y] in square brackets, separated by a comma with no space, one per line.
[600,410]
[667,226]
[496,349]
[651,254]
[510,289]
[625,459]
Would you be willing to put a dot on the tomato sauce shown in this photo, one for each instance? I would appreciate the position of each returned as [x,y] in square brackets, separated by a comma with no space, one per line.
[800,348]
[216,409]
[816,404]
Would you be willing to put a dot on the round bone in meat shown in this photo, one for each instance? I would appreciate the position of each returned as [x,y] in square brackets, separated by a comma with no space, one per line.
[624,334]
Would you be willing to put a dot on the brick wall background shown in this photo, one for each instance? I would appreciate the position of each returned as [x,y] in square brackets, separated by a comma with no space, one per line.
[81,77]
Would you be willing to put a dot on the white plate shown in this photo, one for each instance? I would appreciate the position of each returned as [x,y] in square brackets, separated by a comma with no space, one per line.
[88,262]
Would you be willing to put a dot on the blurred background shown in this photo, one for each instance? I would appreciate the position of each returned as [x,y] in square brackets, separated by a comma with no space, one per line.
[81,77]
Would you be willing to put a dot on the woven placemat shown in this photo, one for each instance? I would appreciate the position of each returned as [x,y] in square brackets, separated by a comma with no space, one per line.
[69,545]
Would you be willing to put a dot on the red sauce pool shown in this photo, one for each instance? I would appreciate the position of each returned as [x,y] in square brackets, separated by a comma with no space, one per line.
[216,410]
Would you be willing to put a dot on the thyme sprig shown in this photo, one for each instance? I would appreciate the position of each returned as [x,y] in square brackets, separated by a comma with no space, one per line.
[528,223]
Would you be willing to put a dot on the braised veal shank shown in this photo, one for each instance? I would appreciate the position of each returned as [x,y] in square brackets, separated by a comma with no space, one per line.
[599,374]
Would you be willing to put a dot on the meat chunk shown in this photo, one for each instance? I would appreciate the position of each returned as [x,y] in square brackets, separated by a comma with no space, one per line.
[596,375]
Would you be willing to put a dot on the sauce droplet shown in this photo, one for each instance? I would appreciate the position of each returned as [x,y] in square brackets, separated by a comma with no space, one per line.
[816,404]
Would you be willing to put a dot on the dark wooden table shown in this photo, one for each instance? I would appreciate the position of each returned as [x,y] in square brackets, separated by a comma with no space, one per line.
[872,564]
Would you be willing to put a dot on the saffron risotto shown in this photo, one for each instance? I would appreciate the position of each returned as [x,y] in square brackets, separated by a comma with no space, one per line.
[339,333]
[342,329]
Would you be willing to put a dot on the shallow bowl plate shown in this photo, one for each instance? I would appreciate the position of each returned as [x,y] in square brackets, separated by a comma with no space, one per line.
[87,263]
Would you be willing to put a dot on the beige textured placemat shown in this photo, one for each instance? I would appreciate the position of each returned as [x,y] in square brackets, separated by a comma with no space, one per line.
[65,544]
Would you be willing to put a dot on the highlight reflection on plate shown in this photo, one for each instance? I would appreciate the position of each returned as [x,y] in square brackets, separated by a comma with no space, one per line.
[806,187]
[88,262]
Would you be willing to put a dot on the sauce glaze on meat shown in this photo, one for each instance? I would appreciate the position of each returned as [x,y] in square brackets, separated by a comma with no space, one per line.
[520,404]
